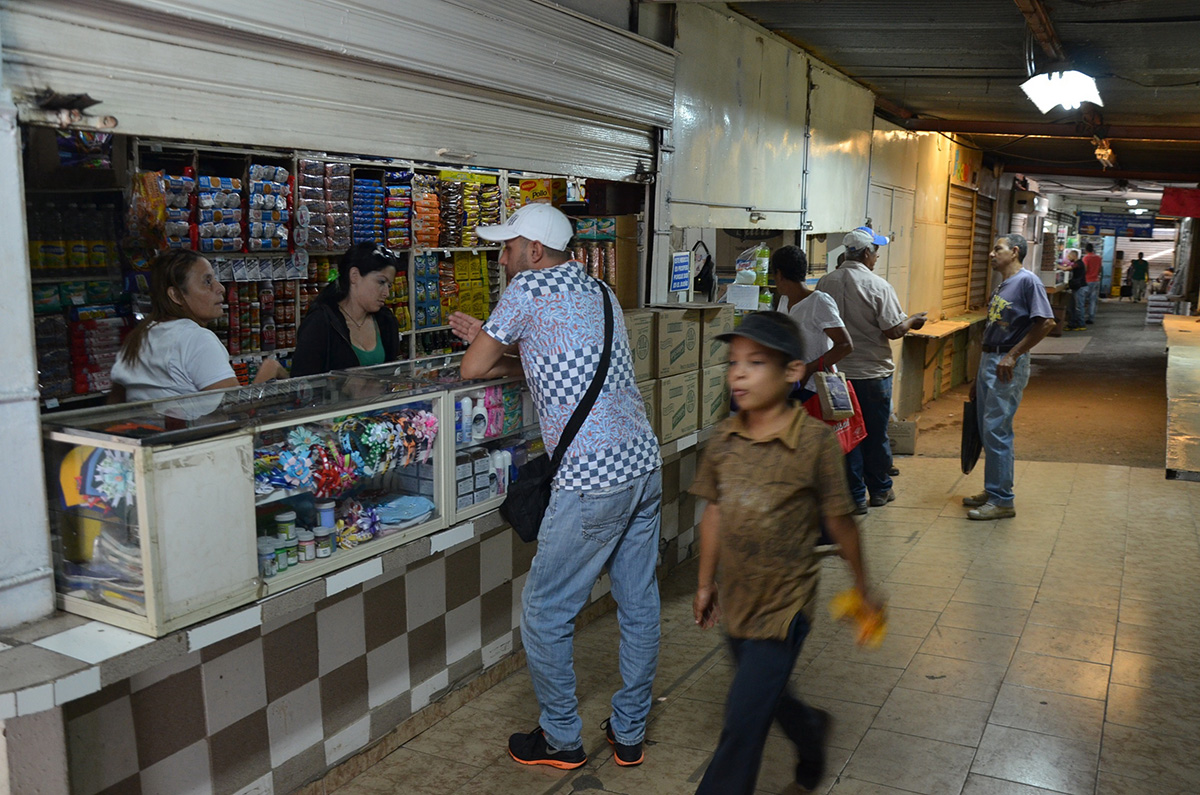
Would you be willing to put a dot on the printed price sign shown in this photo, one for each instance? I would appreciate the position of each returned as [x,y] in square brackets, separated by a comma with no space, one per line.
[681,271]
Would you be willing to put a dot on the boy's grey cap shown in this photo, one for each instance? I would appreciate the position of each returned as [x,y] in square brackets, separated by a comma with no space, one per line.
[773,330]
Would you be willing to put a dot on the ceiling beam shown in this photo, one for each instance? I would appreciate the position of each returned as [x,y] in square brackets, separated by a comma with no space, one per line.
[893,109]
[1042,29]
[1081,130]
[1112,173]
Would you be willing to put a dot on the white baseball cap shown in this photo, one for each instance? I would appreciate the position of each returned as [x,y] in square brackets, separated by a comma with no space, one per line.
[863,237]
[541,222]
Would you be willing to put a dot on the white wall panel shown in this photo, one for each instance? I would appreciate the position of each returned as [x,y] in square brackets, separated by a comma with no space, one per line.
[893,156]
[513,83]
[739,124]
[839,158]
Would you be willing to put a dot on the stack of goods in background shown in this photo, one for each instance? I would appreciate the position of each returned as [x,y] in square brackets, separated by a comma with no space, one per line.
[78,241]
[323,205]
[96,333]
[268,213]
[224,232]
[426,212]
[680,365]
[398,209]
[467,200]
[53,356]
[608,248]
[463,285]
[368,211]
[427,312]
[397,302]
[452,199]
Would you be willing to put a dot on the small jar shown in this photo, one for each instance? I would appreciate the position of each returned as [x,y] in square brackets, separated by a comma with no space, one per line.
[281,556]
[293,552]
[323,540]
[266,558]
[325,511]
[285,524]
[308,545]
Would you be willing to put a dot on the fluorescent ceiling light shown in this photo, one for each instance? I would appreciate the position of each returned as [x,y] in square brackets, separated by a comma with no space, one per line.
[1131,202]
[1138,210]
[1069,89]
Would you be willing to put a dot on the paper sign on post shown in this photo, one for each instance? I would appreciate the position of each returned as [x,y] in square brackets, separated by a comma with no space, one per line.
[681,271]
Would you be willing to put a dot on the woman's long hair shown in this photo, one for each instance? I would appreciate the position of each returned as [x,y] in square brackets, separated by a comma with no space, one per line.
[168,269]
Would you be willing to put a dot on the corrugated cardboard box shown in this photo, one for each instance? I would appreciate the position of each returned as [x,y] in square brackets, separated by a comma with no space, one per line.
[547,191]
[714,395]
[679,405]
[715,319]
[903,435]
[640,325]
[676,341]
[649,390]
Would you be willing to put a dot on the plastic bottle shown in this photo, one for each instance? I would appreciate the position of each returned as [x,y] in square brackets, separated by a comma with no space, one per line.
[466,411]
[479,419]
[54,250]
[762,265]
[78,250]
[93,225]
[33,223]
[267,336]
[108,231]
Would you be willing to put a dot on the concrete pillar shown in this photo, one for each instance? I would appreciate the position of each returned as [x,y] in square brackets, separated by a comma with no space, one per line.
[26,576]
[33,755]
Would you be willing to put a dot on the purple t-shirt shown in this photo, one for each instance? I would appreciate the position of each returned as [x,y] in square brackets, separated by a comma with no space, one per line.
[1015,303]
[556,317]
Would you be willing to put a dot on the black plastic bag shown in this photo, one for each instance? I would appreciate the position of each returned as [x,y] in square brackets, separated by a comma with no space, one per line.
[972,443]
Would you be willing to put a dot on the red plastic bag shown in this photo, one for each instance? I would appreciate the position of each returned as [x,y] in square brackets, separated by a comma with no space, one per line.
[851,430]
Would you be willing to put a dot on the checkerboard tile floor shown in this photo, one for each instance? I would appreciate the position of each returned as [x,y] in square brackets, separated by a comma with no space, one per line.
[1051,653]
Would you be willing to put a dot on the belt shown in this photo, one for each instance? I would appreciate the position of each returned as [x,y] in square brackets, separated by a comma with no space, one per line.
[997,348]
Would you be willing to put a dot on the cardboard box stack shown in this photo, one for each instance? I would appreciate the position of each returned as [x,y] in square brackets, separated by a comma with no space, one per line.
[680,365]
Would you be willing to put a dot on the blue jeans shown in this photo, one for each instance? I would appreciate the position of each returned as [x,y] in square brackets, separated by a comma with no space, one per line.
[997,403]
[582,534]
[867,465]
[759,694]
[1074,310]
[1093,295]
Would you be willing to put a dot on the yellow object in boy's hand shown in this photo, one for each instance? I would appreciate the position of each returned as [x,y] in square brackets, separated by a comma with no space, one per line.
[872,622]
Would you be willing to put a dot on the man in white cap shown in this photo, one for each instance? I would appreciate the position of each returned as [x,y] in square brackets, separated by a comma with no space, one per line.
[873,317]
[605,505]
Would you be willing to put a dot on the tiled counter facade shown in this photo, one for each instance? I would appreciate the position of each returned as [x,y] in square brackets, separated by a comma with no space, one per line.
[277,707]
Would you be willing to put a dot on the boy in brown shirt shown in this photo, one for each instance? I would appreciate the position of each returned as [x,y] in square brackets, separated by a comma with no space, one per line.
[771,474]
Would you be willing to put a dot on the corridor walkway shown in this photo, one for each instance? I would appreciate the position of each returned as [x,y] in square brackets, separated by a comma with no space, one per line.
[1053,652]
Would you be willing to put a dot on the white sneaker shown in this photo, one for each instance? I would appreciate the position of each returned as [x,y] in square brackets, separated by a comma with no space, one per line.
[990,510]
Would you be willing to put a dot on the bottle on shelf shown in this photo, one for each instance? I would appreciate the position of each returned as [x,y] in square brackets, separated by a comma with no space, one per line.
[107,220]
[93,228]
[78,250]
[267,336]
[33,223]
[53,248]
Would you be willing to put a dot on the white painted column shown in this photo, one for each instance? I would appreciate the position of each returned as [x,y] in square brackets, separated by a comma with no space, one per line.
[26,576]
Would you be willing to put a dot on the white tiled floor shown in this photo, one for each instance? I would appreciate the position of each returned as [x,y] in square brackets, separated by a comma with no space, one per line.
[1053,652]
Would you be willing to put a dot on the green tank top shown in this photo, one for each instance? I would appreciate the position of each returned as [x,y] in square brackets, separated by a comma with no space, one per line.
[373,356]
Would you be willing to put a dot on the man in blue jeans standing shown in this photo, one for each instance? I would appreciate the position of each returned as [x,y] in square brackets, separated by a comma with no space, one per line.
[1019,317]
[871,311]
[605,505]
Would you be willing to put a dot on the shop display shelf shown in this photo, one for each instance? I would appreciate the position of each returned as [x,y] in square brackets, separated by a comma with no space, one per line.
[435,357]
[279,494]
[432,328]
[60,278]
[448,249]
[522,432]
[53,403]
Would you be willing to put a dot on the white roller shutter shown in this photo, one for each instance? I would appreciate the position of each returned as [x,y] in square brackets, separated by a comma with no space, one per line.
[521,84]
[960,244]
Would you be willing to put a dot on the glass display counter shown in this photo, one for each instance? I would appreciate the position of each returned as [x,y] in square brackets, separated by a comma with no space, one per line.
[165,513]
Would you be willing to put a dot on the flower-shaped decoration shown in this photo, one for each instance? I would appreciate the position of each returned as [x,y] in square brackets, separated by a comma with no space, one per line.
[114,478]
[296,468]
[333,473]
[369,523]
[301,438]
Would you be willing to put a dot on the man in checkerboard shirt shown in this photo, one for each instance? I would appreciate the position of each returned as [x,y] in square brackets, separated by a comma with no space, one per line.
[605,504]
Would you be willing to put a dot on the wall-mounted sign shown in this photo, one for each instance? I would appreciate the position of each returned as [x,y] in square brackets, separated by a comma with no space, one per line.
[1115,224]
[681,271]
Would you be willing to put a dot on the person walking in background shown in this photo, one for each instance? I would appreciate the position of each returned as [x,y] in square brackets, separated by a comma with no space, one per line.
[771,475]
[1077,284]
[605,505]
[1094,267]
[871,311]
[1139,276]
[1019,317]
[822,333]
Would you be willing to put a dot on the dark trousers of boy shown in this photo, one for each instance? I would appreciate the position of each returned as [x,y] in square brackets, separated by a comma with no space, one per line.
[759,694]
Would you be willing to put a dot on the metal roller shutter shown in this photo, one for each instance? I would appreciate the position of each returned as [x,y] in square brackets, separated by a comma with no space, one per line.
[984,212]
[521,84]
[960,233]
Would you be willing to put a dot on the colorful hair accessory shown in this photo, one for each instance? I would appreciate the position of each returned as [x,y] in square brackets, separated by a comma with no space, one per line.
[114,478]
[296,469]
[301,438]
[368,522]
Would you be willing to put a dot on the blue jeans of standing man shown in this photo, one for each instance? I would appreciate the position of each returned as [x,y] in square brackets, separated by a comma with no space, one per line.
[996,404]
[1074,310]
[759,694]
[582,534]
[1093,297]
[867,465]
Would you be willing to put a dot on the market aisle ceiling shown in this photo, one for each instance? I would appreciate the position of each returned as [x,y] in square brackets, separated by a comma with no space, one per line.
[958,65]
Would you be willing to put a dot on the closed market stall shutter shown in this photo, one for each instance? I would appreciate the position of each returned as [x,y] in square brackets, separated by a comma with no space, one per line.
[984,209]
[519,84]
[960,233]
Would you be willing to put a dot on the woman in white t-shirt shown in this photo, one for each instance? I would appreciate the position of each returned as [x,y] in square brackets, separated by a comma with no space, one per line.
[822,332]
[171,352]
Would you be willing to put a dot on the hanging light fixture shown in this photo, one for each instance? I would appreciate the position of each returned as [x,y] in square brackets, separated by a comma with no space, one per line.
[1069,89]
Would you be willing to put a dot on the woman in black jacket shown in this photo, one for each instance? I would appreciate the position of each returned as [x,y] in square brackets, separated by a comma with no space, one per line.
[349,324]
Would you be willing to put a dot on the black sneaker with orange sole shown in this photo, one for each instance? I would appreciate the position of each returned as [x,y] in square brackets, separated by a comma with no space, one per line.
[626,755]
[532,749]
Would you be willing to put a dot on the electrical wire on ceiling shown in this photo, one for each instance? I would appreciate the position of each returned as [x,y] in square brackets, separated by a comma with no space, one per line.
[1189,84]
[957,142]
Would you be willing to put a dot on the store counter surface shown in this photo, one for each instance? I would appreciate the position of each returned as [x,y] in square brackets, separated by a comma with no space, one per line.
[1183,397]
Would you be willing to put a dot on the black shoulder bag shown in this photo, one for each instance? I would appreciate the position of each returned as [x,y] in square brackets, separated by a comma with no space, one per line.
[529,495]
